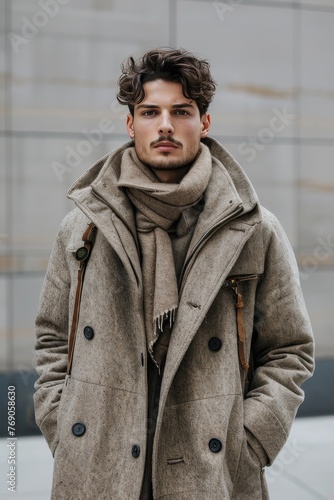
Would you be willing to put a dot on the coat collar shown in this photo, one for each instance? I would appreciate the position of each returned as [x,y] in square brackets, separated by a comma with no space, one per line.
[229,195]
[101,181]
[96,193]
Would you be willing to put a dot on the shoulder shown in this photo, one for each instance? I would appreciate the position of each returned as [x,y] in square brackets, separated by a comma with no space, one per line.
[72,228]
[73,218]
[269,220]
[271,226]
[276,243]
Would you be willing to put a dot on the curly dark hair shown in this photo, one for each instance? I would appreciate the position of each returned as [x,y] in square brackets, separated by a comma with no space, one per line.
[170,65]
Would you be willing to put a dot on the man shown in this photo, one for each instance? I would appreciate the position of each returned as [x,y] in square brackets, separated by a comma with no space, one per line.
[172,336]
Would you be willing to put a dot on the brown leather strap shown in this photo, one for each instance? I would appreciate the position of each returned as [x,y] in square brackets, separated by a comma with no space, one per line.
[241,331]
[82,255]
[233,284]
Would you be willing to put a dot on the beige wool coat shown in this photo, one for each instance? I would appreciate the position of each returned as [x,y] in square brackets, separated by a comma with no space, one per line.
[214,434]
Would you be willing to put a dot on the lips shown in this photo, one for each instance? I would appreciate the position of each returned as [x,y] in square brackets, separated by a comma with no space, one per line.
[165,146]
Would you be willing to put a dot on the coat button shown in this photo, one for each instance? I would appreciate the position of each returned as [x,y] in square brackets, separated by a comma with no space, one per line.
[215,344]
[78,429]
[88,332]
[81,253]
[135,450]
[215,445]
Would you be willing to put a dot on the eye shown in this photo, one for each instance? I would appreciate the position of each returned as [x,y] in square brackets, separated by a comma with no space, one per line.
[181,112]
[150,112]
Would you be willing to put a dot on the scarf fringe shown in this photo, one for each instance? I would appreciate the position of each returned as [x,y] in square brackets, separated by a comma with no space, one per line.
[157,364]
[159,321]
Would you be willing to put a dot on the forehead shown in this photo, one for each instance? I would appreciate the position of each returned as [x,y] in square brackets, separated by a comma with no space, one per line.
[160,92]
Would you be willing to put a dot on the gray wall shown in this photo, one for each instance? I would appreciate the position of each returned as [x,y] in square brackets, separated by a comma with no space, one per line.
[274,110]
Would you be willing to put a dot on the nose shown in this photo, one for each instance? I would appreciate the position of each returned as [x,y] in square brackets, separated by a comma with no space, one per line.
[165,126]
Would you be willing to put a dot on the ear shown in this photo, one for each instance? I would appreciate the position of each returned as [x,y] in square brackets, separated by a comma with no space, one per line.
[205,125]
[129,125]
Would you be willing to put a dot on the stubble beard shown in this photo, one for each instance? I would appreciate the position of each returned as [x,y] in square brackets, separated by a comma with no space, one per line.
[172,164]
[169,164]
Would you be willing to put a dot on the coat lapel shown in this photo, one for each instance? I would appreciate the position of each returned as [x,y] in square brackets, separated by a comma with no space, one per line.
[204,279]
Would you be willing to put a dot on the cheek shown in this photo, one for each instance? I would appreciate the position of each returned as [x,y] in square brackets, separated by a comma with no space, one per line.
[193,136]
[142,141]
[144,132]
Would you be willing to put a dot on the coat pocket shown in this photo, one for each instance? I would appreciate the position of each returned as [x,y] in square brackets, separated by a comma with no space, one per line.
[249,483]
[47,401]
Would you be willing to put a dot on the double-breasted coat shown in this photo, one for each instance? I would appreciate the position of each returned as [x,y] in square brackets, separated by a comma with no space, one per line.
[214,433]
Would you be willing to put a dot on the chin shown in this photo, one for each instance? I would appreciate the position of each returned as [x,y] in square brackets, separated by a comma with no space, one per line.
[169,166]
[168,163]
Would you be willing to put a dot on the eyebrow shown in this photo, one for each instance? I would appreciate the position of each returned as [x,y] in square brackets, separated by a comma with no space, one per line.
[174,106]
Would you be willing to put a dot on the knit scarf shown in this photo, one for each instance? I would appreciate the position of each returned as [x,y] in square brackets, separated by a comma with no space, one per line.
[158,206]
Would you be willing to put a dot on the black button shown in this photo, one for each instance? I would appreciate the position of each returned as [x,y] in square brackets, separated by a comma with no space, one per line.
[81,253]
[226,284]
[215,445]
[78,429]
[215,344]
[88,332]
[135,450]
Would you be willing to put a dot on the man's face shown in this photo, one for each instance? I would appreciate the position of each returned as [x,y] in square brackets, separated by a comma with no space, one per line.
[167,129]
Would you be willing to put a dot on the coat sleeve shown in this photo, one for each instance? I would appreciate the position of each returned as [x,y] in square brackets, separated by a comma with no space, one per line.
[52,339]
[282,347]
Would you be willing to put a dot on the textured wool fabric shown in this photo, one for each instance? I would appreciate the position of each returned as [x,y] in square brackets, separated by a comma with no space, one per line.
[158,206]
[180,235]
[201,396]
